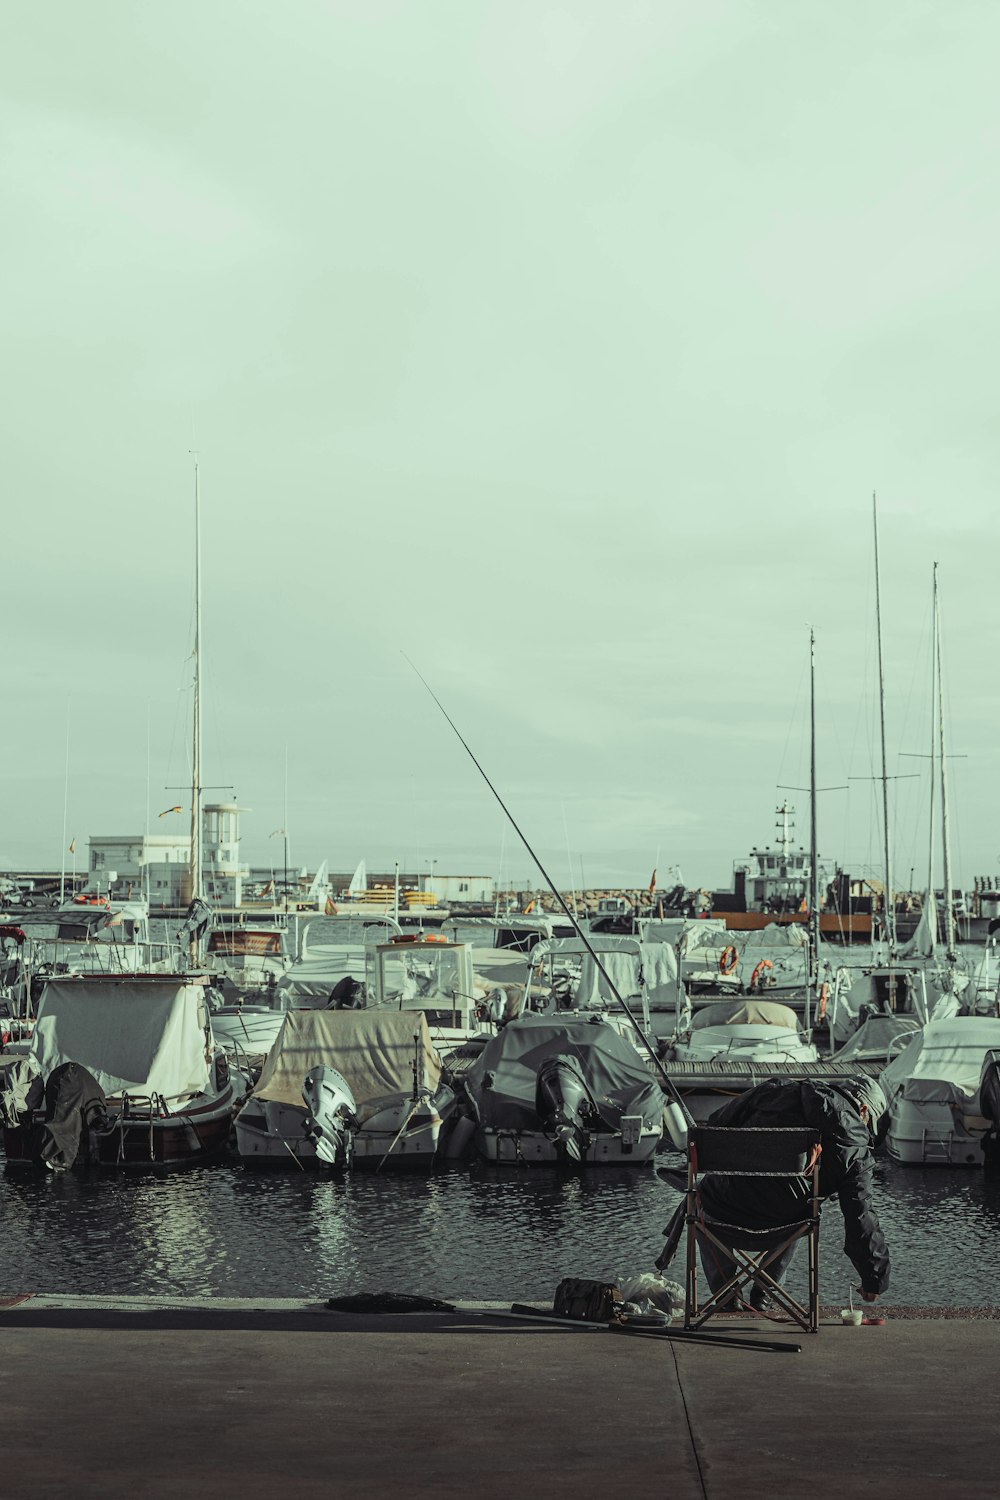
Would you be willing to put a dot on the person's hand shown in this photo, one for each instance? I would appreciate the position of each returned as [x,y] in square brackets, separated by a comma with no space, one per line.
[868,1296]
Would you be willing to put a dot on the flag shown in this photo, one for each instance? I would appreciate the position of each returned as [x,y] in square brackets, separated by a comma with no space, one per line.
[268,889]
[166,810]
[331,910]
[652,883]
[72,846]
[529,908]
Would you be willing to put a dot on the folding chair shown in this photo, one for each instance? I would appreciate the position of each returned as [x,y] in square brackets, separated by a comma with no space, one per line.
[745,1151]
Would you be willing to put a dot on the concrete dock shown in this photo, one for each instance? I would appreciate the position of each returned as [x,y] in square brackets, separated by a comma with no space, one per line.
[169,1398]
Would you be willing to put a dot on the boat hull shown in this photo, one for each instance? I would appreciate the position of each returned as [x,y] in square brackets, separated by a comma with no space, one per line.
[142,1138]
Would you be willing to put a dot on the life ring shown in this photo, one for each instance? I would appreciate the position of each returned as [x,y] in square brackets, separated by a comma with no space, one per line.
[728,960]
[758,972]
[824,996]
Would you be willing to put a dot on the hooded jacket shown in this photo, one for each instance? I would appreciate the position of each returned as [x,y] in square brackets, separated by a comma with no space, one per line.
[846,1169]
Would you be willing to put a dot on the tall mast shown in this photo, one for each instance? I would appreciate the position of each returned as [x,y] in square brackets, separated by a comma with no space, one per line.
[813,846]
[888,902]
[196,716]
[949,914]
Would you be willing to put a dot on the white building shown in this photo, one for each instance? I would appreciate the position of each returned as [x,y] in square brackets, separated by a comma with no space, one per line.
[161,863]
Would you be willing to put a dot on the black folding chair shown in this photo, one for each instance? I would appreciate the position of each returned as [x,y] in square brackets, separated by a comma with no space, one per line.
[746,1151]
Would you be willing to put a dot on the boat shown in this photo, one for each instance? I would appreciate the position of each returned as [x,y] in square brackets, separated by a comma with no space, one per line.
[754,1030]
[771,886]
[169,1092]
[567,976]
[936,1116]
[347,1086]
[424,973]
[563,1091]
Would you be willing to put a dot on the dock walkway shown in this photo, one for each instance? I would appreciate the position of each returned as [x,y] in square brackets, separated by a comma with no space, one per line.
[169,1398]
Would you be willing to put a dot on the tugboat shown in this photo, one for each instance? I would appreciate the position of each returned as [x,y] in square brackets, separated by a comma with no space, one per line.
[772,886]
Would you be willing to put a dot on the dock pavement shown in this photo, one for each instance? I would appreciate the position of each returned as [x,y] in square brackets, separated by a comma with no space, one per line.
[180,1398]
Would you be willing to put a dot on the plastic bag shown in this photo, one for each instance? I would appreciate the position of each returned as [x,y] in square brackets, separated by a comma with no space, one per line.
[651,1293]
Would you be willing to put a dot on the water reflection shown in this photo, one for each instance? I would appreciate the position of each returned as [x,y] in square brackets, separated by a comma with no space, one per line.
[482,1232]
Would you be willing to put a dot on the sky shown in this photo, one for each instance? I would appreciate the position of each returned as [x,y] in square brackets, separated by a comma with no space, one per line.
[552,352]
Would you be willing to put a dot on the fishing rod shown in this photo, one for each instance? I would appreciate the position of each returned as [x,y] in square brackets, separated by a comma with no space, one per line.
[686,1122]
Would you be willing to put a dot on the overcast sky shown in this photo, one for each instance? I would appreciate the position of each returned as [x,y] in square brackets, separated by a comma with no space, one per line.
[559,346]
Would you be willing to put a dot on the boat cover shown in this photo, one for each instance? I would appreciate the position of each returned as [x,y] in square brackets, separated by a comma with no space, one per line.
[629,963]
[942,1064]
[502,1082]
[878,1037]
[142,1036]
[314,977]
[374,1050]
[746,1012]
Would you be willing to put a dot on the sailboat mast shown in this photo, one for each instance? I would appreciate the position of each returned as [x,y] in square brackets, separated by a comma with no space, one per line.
[813,846]
[888,901]
[949,912]
[196,716]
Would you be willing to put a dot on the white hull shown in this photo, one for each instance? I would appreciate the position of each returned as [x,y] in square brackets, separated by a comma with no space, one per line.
[926,1134]
[267,1131]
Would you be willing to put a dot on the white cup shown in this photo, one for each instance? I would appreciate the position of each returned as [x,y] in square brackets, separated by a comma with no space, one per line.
[852,1316]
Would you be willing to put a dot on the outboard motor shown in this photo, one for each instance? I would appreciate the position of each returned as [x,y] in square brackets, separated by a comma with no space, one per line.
[989,1105]
[565,1106]
[332,1115]
[74,1106]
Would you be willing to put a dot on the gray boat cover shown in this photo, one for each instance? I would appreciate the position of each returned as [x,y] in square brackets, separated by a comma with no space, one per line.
[502,1081]
[373,1049]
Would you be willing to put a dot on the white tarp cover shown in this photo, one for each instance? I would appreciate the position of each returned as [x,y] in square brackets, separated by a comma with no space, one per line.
[373,1049]
[142,1036]
[943,1063]
[629,964]
[745,1013]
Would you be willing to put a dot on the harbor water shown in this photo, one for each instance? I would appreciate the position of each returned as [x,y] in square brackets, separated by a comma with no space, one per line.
[474,1232]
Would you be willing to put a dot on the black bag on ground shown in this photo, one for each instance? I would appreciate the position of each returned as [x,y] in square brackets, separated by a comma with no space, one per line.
[589,1301]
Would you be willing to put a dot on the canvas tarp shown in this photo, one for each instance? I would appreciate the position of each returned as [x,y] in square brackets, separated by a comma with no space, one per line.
[373,1049]
[503,1080]
[746,1012]
[141,1036]
[943,1063]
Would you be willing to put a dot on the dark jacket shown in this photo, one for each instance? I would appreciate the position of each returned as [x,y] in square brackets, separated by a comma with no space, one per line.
[845,1171]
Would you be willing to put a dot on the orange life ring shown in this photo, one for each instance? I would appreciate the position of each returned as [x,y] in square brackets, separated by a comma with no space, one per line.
[765,963]
[728,960]
[824,996]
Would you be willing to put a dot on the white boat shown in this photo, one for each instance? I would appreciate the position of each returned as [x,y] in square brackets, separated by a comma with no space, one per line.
[423,973]
[750,1030]
[169,1092]
[562,1091]
[373,1055]
[935,1112]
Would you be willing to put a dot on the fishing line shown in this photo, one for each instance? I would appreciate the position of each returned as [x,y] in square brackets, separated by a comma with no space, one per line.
[671,1087]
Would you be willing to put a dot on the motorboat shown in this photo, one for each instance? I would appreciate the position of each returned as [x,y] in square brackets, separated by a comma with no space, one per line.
[562,1091]
[424,973]
[328,974]
[748,1029]
[246,953]
[347,1086]
[936,1115]
[591,976]
[169,1091]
